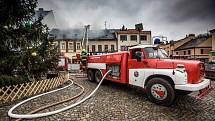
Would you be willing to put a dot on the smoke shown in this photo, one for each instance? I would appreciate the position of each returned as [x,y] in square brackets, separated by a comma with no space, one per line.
[188,10]
[171,18]
[70,13]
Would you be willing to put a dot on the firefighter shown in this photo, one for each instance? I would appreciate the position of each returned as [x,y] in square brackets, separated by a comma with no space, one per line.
[83,56]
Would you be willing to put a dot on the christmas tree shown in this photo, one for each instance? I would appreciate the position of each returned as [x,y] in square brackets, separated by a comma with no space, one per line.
[24,46]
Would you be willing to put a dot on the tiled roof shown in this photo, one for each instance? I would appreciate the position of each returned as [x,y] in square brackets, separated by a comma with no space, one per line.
[193,43]
[78,34]
[212,31]
[132,31]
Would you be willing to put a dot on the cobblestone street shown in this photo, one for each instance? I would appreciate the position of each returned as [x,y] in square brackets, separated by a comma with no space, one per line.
[119,102]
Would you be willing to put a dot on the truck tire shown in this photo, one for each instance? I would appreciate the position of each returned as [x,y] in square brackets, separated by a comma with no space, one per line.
[160,91]
[182,92]
[98,76]
[90,75]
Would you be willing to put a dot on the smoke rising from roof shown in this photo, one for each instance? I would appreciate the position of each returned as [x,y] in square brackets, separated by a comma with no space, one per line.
[173,19]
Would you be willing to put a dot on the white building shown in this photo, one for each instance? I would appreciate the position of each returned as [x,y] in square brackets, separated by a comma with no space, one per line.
[131,37]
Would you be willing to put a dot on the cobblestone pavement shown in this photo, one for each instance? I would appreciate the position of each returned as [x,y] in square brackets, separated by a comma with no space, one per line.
[119,102]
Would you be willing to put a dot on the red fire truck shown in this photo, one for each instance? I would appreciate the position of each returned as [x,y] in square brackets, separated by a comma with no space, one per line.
[63,63]
[149,67]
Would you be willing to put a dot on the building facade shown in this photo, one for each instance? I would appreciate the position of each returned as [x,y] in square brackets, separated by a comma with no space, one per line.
[102,41]
[102,46]
[172,45]
[99,41]
[198,48]
[130,37]
[70,41]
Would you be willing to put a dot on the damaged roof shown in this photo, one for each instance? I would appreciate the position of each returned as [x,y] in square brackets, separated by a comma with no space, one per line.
[78,34]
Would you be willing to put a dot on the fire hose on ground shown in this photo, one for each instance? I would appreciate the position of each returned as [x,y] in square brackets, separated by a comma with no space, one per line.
[30,116]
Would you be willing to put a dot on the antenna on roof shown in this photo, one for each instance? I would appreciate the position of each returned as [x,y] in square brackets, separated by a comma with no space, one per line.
[105,24]
[139,27]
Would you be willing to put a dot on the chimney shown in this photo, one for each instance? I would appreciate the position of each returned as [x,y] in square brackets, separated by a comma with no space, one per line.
[191,35]
[40,9]
[123,28]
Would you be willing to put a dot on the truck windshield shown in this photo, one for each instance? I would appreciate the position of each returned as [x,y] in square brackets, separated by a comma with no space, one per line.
[153,52]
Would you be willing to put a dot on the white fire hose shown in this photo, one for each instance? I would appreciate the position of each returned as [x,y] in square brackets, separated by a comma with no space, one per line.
[29,116]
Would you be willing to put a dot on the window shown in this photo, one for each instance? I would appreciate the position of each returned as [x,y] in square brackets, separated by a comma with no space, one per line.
[123,37]
[152,52]
[184,52]
[176,53]
[143,37]
[70,45]
[106,48]
[78,47]
[93,48]
[99,48]
[134,52]
[133,37]
[202,51]
[63,47]
[112,48]
[189,52]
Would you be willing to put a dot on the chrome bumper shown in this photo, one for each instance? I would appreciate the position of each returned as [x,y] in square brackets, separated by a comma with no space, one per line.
[194,87]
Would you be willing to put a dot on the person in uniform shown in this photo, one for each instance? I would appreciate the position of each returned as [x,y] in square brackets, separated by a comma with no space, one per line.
[83,56]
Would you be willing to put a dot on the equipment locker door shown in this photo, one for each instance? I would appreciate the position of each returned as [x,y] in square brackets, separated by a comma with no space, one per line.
[135,68]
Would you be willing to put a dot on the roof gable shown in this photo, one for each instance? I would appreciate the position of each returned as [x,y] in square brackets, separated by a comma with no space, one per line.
[193,42]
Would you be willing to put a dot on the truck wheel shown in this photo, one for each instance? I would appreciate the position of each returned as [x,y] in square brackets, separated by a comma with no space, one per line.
[90,75]
[98,76]
[182,92]
[160,91]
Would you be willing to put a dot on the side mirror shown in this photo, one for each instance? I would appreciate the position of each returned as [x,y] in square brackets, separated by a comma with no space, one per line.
[138,56]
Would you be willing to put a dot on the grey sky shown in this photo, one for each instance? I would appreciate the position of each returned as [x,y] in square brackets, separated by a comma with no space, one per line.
[171,18]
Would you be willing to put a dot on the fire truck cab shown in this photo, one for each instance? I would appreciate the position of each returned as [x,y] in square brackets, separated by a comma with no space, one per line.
[149,67]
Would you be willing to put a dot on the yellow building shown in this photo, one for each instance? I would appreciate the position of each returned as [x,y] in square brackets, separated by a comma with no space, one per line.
[198,48]
[102,41]
[172,45]
[70,41]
